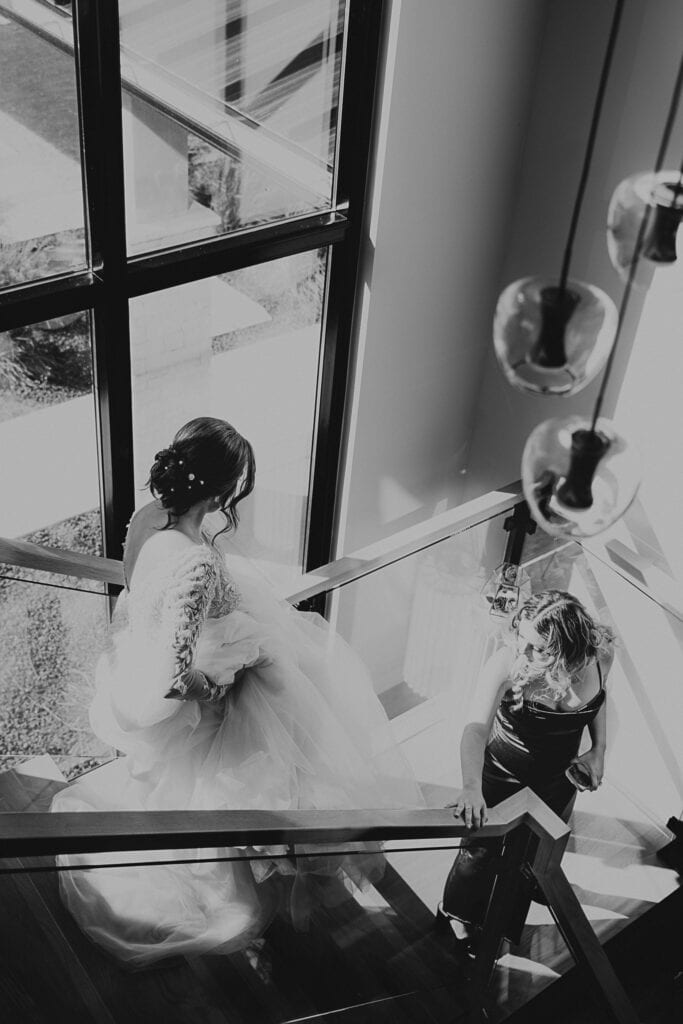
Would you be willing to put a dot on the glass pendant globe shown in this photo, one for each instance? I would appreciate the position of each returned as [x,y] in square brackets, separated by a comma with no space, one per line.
[577,482]
[660,196]
[553,341]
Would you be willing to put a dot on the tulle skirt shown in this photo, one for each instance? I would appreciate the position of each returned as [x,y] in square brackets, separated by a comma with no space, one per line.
[300,727]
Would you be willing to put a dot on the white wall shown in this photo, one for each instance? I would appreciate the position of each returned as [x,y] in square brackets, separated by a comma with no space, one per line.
[450,130]
[636,103]
[449,136]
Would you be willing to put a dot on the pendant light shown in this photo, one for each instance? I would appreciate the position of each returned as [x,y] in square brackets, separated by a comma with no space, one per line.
[659,198]
[551,336]
[578,477]
[579,474]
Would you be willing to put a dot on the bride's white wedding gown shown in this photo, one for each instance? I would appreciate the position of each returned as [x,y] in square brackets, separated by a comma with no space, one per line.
[295,724]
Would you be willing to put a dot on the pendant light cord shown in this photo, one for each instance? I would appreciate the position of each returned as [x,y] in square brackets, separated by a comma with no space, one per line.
[590,145]
[644,221]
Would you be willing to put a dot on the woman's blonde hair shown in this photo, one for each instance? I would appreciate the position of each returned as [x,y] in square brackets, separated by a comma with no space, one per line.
[573,637]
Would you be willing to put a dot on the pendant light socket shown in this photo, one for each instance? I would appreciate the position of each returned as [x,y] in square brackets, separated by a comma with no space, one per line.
[557,307]
[587,448]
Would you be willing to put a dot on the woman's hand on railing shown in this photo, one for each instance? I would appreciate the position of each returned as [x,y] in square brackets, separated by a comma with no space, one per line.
[471,806]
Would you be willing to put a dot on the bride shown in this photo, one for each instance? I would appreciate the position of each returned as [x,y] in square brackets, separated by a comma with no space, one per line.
[220,696]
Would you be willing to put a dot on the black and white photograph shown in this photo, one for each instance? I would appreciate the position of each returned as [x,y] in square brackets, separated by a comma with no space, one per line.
[341,492]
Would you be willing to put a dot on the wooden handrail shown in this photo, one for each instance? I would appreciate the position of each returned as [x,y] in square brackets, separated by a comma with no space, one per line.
[40,834]
[339,573]
[66,563]
[407,542]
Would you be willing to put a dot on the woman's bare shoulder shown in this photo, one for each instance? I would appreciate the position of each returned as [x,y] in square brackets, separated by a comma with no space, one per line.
[149,545]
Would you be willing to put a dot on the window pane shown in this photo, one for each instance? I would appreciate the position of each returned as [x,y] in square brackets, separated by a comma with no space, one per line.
[243,347]
[48,446]
[232,119]
[41,198]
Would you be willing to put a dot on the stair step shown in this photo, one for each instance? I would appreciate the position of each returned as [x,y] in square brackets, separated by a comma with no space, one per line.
[31,786]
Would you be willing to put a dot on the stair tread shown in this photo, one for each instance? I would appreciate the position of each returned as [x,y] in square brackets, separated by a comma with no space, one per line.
[31,785]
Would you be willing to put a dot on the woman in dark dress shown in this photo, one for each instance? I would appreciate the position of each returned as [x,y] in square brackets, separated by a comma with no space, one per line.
[533,701]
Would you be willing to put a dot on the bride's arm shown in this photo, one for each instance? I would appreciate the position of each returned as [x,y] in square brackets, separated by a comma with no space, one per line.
[185,610]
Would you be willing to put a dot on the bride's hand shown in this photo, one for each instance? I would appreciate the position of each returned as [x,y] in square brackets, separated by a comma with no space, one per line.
[196,685]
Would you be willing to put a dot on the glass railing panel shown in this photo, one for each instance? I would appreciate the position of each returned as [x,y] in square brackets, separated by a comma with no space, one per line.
[50,579]
[423,628]
[50,639]
[245,933]
[645,759]
[317,934]
[41,212]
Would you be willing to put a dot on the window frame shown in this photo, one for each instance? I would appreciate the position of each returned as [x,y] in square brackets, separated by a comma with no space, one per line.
[115,277]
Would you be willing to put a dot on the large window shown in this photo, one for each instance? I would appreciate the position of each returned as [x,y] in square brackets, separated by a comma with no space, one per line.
[181,194]
[181,199]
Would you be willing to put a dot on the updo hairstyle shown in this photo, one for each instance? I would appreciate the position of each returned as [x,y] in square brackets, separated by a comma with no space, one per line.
[572,636]
[207,459]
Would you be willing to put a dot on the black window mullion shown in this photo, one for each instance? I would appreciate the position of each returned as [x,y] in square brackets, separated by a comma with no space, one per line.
[98,75]
[355,133]
[224,253]
[44,300]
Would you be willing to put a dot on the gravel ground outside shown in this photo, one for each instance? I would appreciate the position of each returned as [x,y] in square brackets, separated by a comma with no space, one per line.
[50,639]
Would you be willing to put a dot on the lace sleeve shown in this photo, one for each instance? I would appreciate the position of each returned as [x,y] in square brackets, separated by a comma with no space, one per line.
[185,609]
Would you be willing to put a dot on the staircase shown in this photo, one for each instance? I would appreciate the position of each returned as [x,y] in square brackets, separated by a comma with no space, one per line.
[373,957]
